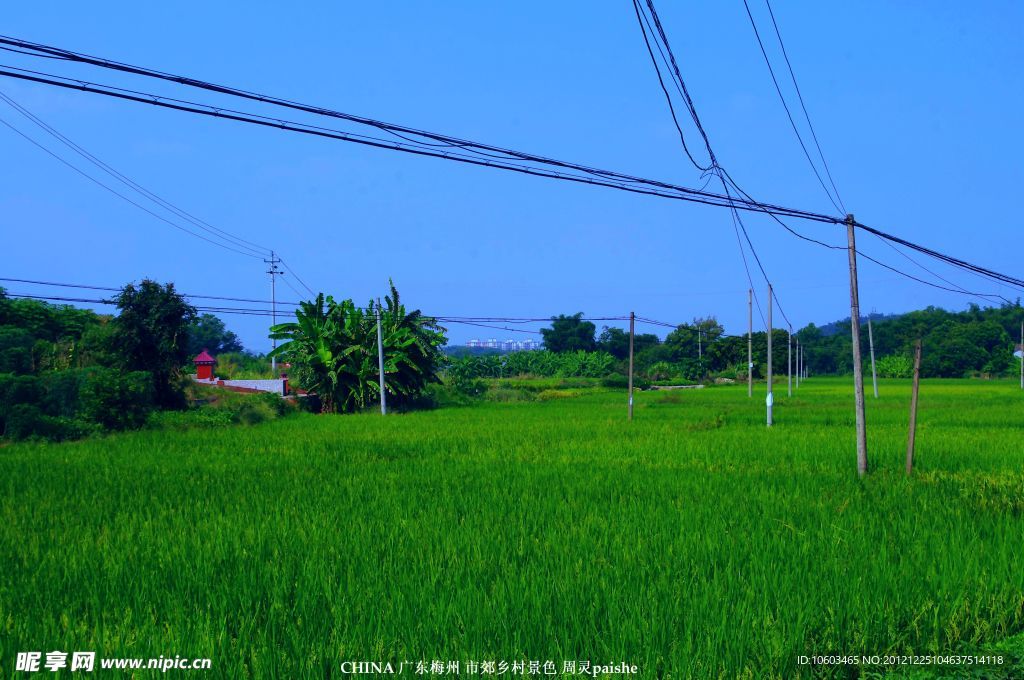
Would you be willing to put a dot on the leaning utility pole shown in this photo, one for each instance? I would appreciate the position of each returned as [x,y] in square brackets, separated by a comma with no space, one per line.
[789,360]
[858,369]
[632,320]
[274,272]
[768,399]
[380,363]
[913,406]
[871,344]
[750,342]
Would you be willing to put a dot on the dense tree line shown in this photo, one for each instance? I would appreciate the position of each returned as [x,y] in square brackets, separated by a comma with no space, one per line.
[66,372]
[976,341]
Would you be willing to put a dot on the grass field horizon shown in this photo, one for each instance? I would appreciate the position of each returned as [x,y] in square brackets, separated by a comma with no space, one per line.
[692,542]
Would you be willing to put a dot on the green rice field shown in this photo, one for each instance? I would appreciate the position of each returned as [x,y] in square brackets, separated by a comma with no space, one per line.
[691,542]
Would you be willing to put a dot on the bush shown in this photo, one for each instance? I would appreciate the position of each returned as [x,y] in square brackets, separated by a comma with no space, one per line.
[16,390]
[621,382]
[544,364]
[895,366]
[25,421]
[117,401]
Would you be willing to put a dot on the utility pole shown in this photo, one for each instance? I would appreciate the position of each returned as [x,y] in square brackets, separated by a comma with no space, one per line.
[632,320]
[274,272]
[858,369]
[768,399]
[799,368]
[913,406]
[871,344]
[380,364]
[1022,355]
[750,342]
[789,360]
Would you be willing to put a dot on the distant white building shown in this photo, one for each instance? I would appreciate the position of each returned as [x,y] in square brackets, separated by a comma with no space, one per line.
[506,345]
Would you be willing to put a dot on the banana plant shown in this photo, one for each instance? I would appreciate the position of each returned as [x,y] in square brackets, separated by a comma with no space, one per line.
[333,348]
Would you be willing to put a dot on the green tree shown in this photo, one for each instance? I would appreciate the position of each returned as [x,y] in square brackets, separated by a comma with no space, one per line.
[151,334]
[208,332]
[615,341]
[569,334]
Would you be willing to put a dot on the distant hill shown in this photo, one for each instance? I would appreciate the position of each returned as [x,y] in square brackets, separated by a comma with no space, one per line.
[843,325]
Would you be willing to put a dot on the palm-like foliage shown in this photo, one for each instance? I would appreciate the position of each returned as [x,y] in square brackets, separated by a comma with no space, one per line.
[333,348]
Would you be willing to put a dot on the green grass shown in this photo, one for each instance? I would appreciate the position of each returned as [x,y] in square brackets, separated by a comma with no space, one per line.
[693,542]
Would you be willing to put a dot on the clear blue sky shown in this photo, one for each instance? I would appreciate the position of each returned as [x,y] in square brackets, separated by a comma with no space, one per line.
[917,106]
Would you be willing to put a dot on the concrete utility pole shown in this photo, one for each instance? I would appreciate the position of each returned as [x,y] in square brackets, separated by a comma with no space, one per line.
[274,272]
[768,399]
[632,320]
[789,360]
[750,342]
[913,406]
[799,367]
[871,344]
[380,364]
[858,368]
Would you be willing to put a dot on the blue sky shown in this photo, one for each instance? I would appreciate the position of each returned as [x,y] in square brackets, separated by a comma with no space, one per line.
[916,104]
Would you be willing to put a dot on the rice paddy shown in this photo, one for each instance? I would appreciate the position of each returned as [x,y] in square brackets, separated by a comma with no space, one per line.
[692,542]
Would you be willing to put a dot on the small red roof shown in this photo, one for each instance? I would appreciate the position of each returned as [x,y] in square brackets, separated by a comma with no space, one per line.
[204,358]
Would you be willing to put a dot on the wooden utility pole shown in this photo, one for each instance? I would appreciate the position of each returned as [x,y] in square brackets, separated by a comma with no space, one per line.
[750,342]
[871,344]
[768,400]
[632,321]
[913,406]
[858,368]
[380,364]
[1022,355]
[789,360]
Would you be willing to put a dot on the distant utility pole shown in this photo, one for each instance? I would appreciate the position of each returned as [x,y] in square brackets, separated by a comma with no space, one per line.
[798,366]
[274,272]
[858,368]
[632,321]
[789,360]
[913,406]
[871,344]
[750,342]
[380,364]
[768,399]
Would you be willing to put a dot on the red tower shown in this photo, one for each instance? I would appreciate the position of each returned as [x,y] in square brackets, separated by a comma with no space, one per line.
[204,365]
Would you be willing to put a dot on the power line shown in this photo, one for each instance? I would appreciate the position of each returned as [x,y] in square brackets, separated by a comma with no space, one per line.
[715,167]
[445,318]
[205,226]
[599,177]
[118,290]
[292,272]
[789,114]
[120,195]
[475,153]
[803,106]
[215,232]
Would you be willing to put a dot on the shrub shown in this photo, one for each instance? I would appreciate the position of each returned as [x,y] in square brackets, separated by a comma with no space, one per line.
[26,421]
[621,382]
[895,366]
[117,401]
[16,390]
